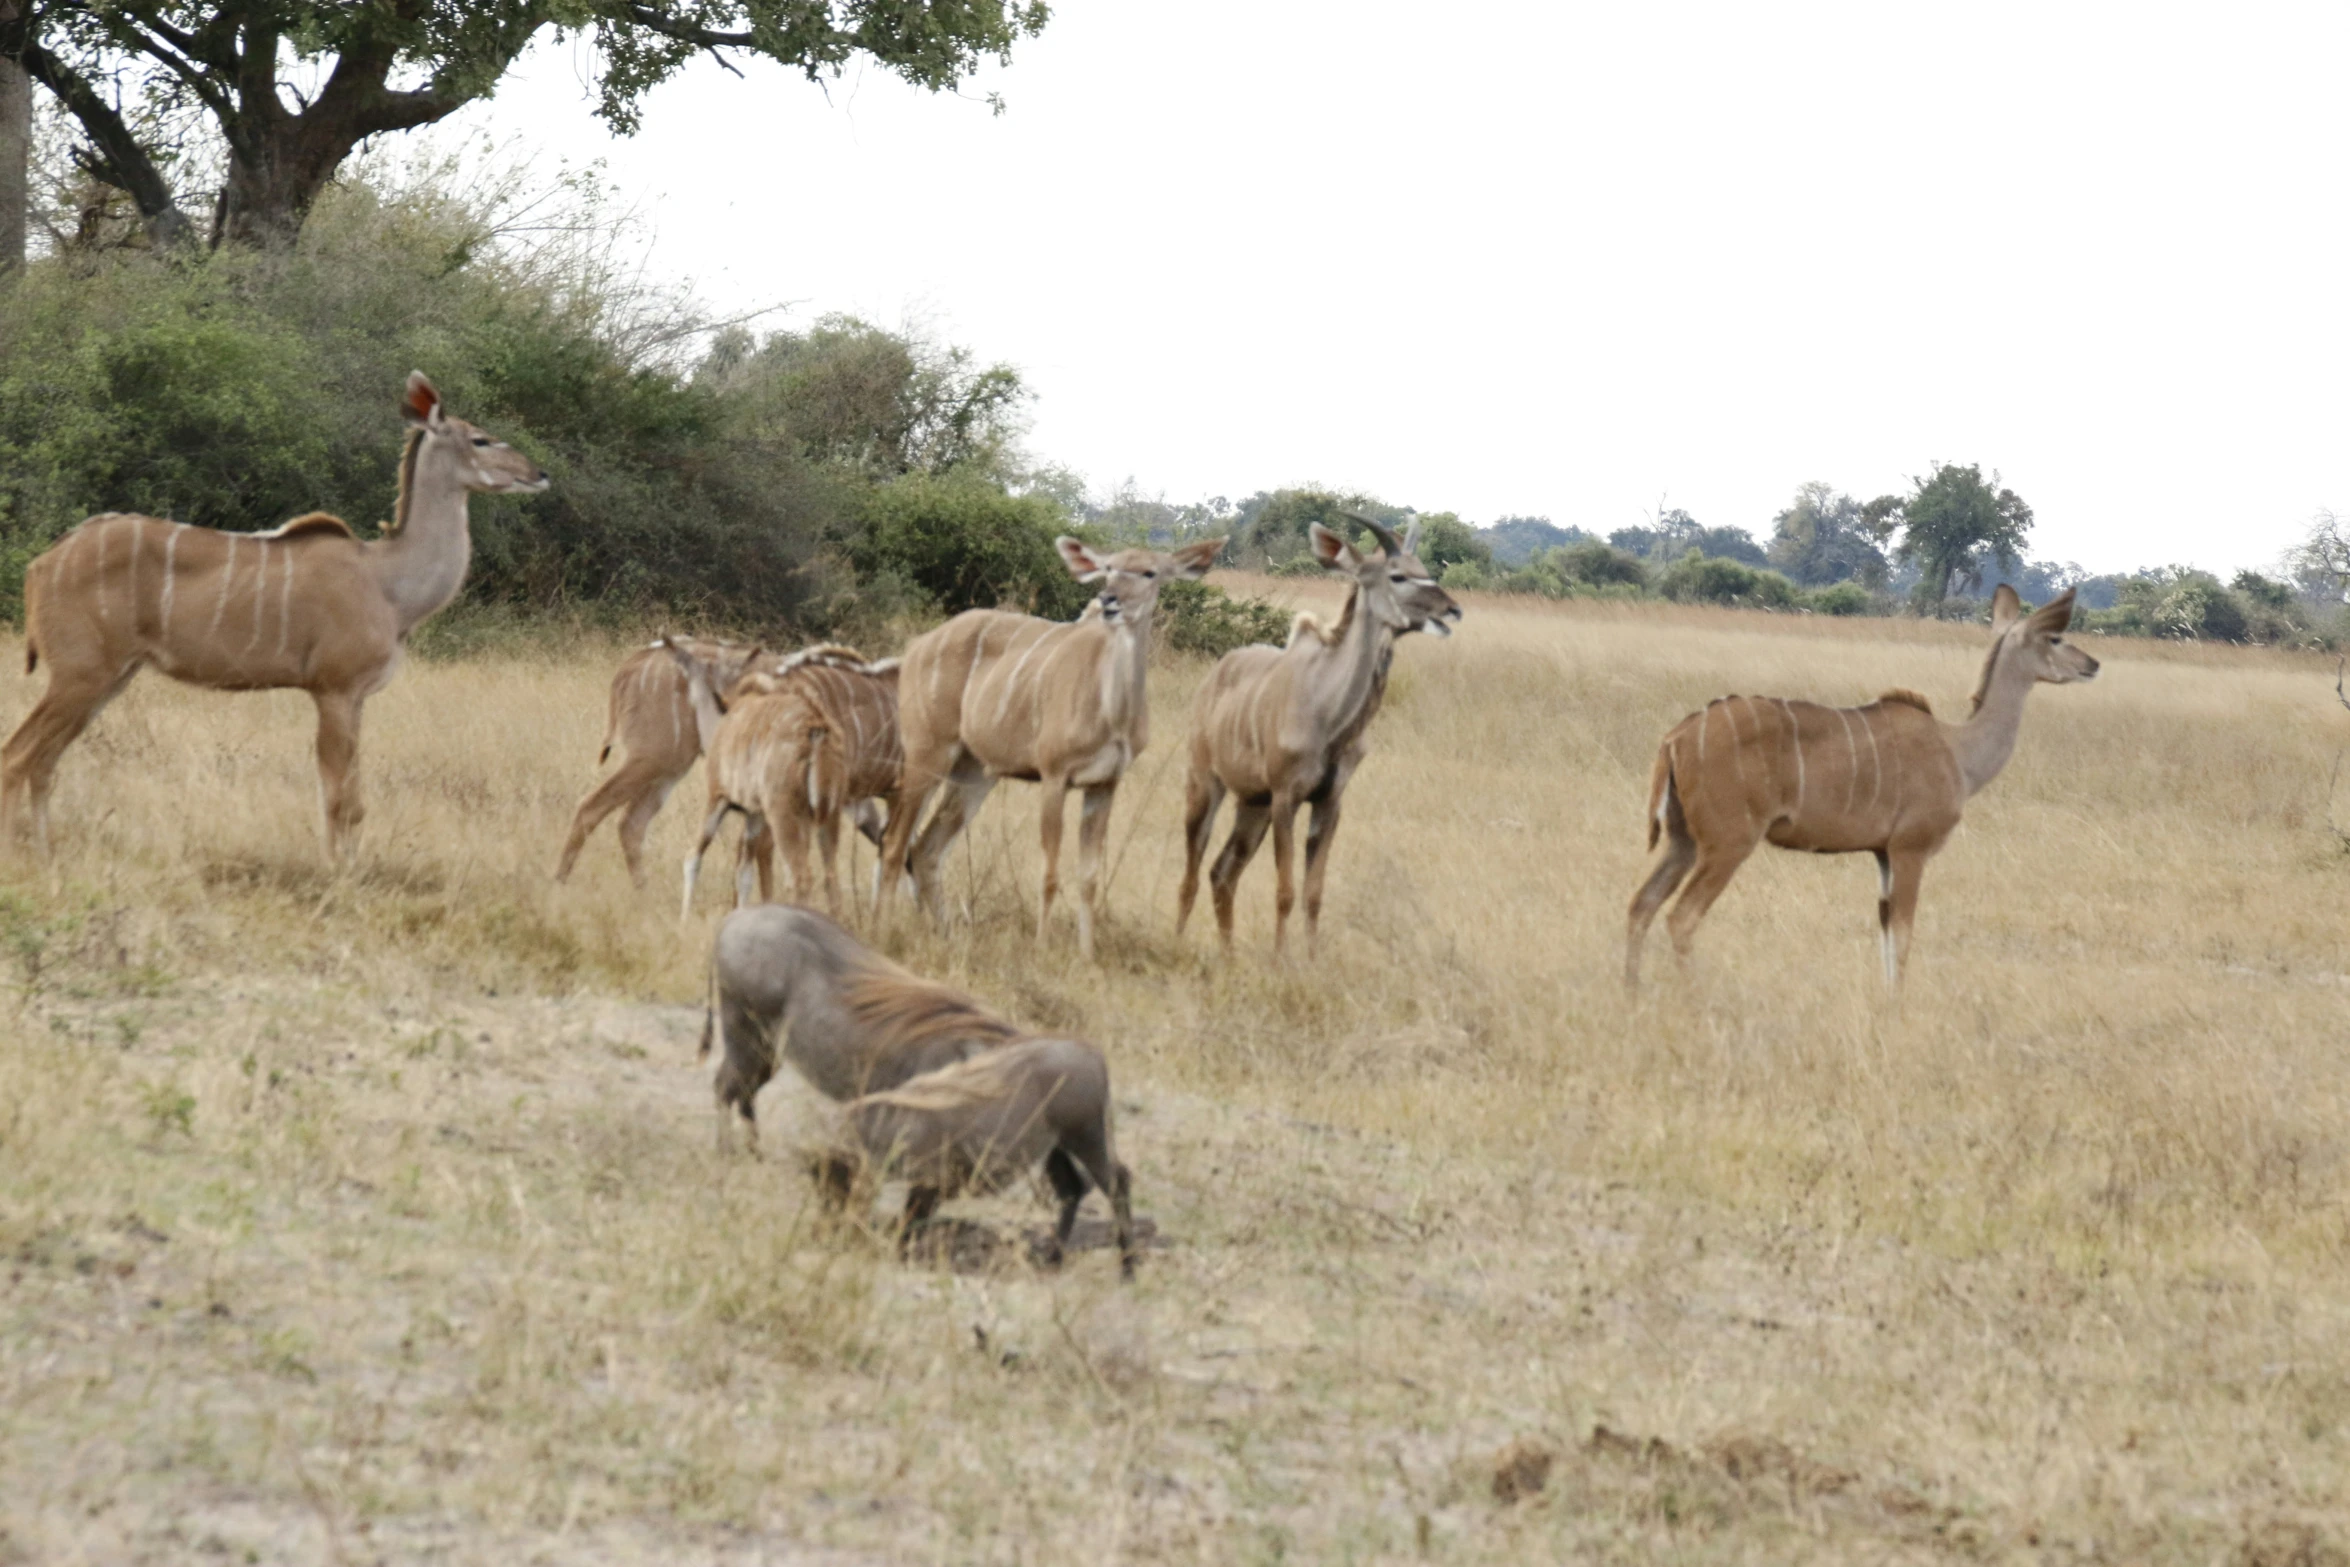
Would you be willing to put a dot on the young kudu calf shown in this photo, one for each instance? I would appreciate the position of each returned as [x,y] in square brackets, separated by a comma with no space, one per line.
[792,746]
[1886,778]
[975,1127]
[307,606]
[1285,727]
[993,695]
[651,716]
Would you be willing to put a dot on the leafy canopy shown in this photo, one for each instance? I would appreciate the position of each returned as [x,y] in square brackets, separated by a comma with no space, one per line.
[1955,524]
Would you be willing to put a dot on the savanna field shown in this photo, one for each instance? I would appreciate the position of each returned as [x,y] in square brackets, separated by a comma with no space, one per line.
[374,1216]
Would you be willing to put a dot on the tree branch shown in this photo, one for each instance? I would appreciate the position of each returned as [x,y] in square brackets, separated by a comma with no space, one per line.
[685,32]
[125,164]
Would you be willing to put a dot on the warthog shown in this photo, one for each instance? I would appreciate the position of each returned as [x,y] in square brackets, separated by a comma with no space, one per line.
[850,1020]
[976,1126]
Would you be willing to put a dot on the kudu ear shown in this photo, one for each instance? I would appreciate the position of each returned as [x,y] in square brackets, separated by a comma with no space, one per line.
[695,673]
[1083,564]
[1333,552]
[2006,608]
[2056,614]
[1194,559]
[422,405]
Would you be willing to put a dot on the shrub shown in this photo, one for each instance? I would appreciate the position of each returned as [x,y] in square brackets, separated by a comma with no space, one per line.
[1466,576]
[1201,618]
[964,542]
[1711,579]
[1843,598]
[1599,565]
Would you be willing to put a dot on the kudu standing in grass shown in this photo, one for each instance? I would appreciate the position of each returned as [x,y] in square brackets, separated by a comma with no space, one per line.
[793,745]
[1285,727]
[977,1126]
[992,694]
[847,1018]
[1886,778]
[308,606]
[650,715]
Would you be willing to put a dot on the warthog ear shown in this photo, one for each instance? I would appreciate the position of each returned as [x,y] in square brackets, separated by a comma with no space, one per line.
[422,405]
[1083,563]
[2005,608]
[1194,559]
[1333,552]
[2056,614]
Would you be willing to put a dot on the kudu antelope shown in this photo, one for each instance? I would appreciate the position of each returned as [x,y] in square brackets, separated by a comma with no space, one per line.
[992,695]
[308,606]
[977,1126]
[847,1018]
[1285,727]
[650,715]
[793,746]
[1887,778]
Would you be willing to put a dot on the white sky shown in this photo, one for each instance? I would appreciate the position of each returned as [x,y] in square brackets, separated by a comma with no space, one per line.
[1564,259]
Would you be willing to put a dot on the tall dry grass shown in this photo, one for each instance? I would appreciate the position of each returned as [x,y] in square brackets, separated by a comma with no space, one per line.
[2047,1260]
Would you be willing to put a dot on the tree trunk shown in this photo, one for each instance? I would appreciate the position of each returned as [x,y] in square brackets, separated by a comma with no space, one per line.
[16,138]
[270,191]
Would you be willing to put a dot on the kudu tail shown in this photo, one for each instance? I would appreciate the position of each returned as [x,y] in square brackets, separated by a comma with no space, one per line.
[1660,793]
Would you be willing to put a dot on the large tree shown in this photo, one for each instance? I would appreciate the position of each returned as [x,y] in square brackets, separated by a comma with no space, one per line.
[120,68]
[1953,525]
[1825,537]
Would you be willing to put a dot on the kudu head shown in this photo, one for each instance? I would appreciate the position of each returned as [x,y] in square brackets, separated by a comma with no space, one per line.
[1425,604]
[1130,579]
[485,465]
[713,671]
[2034,642]
[1377,581]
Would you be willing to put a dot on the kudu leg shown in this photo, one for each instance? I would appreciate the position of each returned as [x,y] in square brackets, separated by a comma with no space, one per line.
[1248,830]
[338,770]
[693,858]
[967,789]
[1055,798]
[1284,867]
[1319,833]
[1716,864]
[1093,833]
[754,861]
[1900,875]
[828,851]
[28,763]
[1680,854]
[641,788]
[1203,794]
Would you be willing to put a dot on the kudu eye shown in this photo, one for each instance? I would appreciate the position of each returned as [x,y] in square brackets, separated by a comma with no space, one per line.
[481,440]
[1148,576]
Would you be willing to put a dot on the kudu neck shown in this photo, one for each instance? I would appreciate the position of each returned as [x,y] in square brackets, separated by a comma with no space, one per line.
[1357,665]
[1986,740]
[421,567]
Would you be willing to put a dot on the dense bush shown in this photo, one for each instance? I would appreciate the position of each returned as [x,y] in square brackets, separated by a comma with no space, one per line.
[1710,579]
[745,484]
[1199,618]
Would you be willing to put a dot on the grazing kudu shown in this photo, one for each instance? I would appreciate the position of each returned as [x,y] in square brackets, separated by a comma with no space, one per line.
[308,606]
[1887,778]
[847,1018]
[1285,727]
[793,745]
[651,717]
[993,695]
[975,1127]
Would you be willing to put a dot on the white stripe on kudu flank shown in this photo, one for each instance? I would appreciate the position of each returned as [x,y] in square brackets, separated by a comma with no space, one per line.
[1795,737]
[1703,719]
[260,593]
[98,573]
[171,548]
[1868,726]
[285,601]
[227,572]
[1851,759]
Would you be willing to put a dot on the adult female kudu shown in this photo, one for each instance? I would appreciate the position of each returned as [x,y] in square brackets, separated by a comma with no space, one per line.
[309,606]
[1284,727]
[992,694]
[650,713]
[793,746]
[847,1018]
[1887,778]
[975,1127]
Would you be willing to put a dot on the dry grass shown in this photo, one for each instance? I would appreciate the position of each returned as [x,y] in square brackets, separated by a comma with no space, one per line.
[373,1217]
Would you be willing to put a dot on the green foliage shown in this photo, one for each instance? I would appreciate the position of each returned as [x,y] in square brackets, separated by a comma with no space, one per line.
[1842,598]
[1710,579]
[1272,529]
[965,544]
[1824,537]
[1517,540]
[1954,524]
[1445,541]
[238,389]
[1675,533]
[1204,619]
